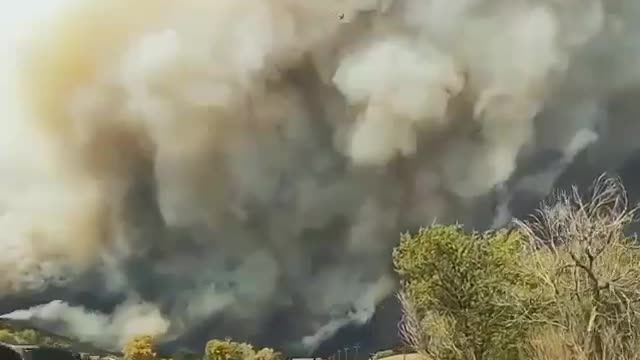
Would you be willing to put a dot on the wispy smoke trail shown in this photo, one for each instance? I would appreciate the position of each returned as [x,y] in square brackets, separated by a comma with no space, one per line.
[226,162]
[128,320]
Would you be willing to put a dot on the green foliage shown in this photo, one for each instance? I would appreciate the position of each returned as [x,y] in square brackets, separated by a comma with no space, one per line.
[564,285]
[140,348]
[228,350]
[268,354]
[468,291]
[7,336]
[231,350]
[30,337]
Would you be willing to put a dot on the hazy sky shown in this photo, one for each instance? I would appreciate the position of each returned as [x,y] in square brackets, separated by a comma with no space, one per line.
[16,16]
[19,155]
[17,21]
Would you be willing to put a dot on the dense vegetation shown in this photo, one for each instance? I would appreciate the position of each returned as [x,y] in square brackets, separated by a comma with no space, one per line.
[15,333]
[468,291]
[564,285]
[50,345]
[29,336]
[143,348]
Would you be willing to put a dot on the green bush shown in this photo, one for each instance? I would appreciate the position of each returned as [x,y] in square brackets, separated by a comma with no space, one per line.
[268,354]
[29,336]
[465,295]
[564,285]
[140,348]
[7,336]
[228,350]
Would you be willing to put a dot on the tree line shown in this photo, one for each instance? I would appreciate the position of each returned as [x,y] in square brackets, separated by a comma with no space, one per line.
[565,284]
[143,348]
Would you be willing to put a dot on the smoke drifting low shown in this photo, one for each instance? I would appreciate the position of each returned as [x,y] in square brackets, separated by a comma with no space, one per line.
[207,167]
[128,320]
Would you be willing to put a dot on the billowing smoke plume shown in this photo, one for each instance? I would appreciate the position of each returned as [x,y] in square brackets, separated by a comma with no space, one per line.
[199,168]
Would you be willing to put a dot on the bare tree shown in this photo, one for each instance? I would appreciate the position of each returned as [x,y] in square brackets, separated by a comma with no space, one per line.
[409,328]
[580,250]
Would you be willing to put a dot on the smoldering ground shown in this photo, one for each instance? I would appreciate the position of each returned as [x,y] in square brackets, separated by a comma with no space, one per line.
[200,168]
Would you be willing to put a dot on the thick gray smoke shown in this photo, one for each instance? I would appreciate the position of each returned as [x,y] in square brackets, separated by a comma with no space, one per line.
[213,165]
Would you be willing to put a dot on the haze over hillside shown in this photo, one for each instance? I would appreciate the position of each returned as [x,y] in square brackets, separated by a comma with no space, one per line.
[203,168]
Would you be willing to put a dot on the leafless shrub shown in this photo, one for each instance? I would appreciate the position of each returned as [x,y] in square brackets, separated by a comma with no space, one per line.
[437,339]
[580,250]
[409,328]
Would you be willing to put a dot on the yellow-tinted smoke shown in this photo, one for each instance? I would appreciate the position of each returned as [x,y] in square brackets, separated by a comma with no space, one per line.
[255,125]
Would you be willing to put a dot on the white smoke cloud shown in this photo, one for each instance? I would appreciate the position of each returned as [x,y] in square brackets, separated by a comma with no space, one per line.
[402,89]
[128,320]
[228,160]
